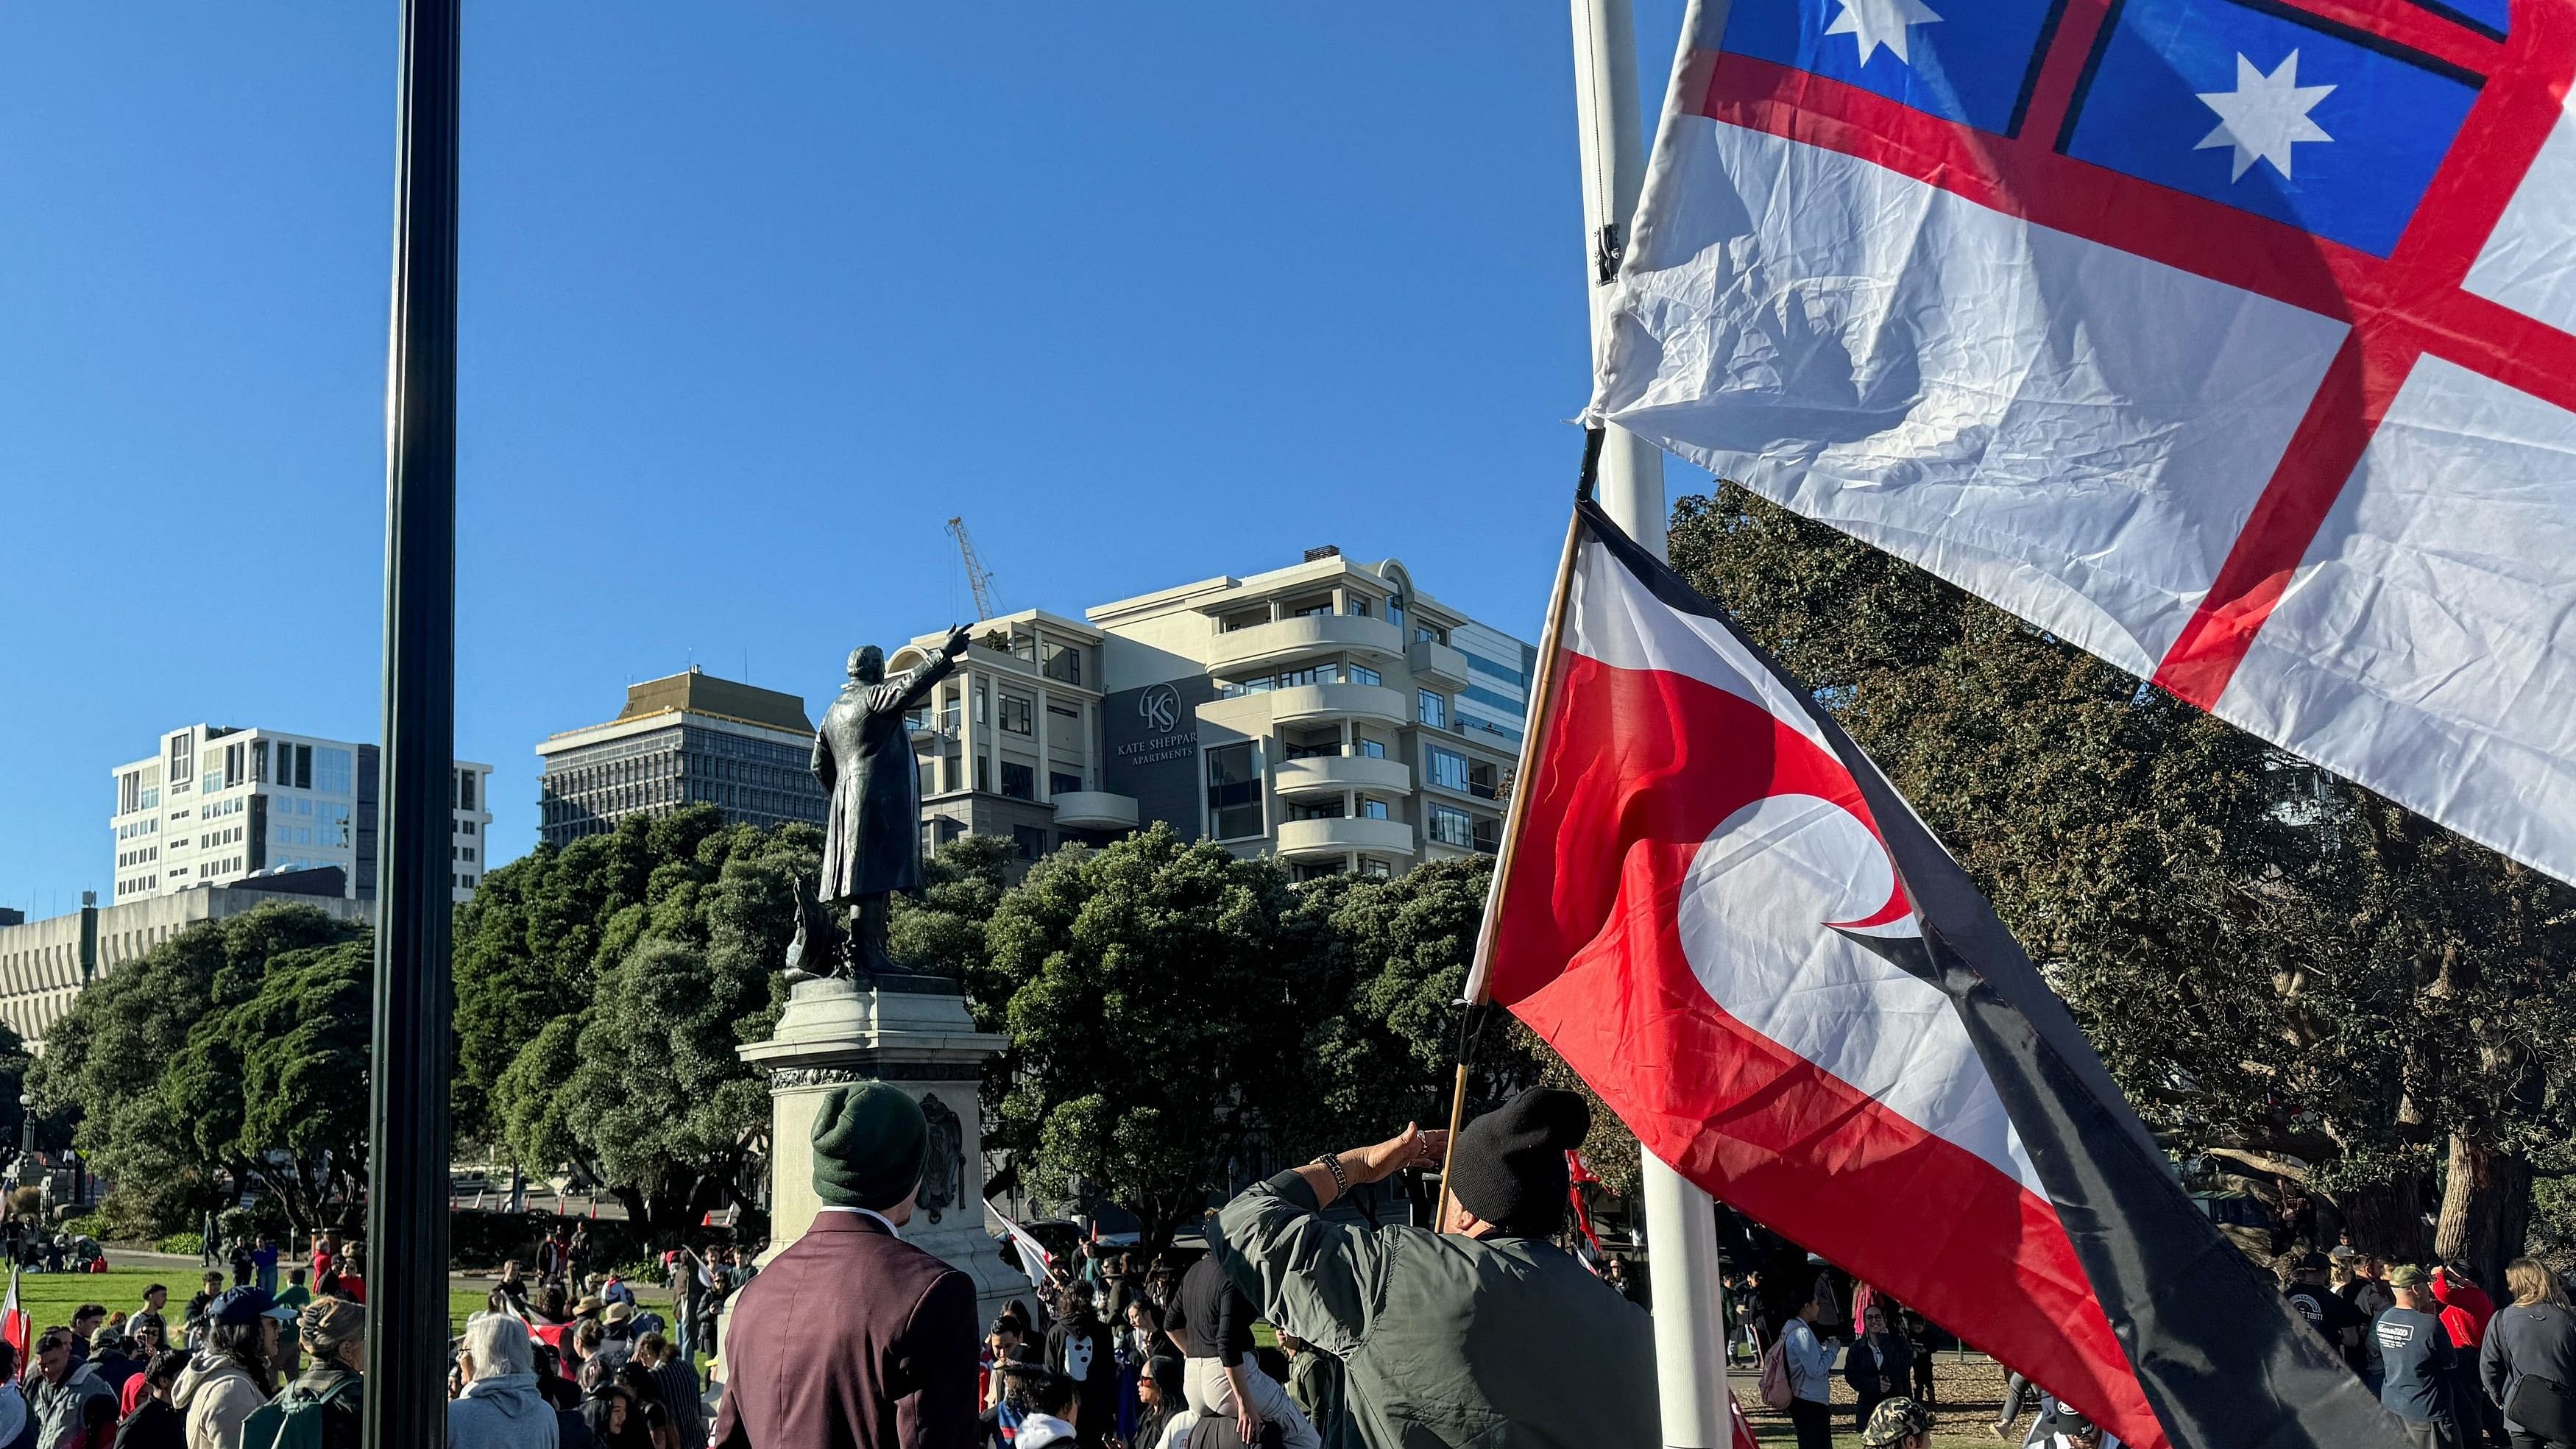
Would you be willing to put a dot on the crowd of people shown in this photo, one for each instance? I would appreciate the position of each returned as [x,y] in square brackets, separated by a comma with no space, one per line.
[1487,1332]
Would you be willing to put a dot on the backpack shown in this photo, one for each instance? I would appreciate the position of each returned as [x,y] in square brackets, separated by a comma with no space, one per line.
[293,1420]
[1775,1376]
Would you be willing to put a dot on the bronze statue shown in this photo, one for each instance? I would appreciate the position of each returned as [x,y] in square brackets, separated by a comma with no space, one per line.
[872,838]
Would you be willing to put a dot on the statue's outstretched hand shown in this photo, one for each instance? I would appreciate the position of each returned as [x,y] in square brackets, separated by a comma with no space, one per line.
[956,641]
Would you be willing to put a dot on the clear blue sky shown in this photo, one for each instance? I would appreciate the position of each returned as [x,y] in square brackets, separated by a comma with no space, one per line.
[756,296]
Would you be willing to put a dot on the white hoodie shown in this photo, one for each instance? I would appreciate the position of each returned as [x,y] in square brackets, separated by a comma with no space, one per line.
[218,1396]
[1037,1431]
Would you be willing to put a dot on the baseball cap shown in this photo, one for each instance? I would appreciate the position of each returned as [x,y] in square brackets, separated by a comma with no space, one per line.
[2343,1251]
[246,1305]
[2407,1275]
[2311,1263]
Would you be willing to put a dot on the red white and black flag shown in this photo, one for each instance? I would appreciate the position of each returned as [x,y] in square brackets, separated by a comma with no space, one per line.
[1721,914]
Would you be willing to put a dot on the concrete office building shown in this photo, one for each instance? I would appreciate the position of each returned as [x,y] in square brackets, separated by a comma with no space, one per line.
[686,739]
[45,964]
[220,804]
[1329,713]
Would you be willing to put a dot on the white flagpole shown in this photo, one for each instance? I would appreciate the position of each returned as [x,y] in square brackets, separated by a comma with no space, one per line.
[1681,1223]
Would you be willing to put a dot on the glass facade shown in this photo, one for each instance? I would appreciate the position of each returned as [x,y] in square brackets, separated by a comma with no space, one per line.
[759,781]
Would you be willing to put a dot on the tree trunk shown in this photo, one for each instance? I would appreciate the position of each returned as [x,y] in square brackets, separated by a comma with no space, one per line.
[2386,1219]
[2486,1210]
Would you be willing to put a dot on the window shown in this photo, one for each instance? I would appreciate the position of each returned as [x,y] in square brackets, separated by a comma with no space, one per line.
[1504,672]
[1062,710]
[1356,605]
[1019,714]
[1364,746]
[1374,868]
[1489,834]
[1372,809]
[183,759]
[331,770]
[1234,792]
[1060,661]
[1329,810]
[1019,782]
[1310,608]
[1362,674]
[984,772]
[1447,768]
[1060,783]
[465,789]
[1452,826]
[1430,634]
[1028,841]
[1432,708]
[469,827]
[1311,674]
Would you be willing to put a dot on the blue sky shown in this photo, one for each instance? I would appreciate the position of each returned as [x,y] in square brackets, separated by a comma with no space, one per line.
[756,296]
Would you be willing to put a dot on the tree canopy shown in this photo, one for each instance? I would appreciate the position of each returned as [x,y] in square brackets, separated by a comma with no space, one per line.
[233,1053]
[602,989]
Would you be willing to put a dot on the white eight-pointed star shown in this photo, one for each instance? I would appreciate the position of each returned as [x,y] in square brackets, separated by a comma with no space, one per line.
[2265,115]
[1876,23]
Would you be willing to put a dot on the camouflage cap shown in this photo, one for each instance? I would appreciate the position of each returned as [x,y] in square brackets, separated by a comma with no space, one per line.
[1894,1421]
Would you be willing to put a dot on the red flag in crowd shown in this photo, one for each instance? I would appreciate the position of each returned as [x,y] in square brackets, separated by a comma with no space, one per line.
[13,1321]
[1721,914]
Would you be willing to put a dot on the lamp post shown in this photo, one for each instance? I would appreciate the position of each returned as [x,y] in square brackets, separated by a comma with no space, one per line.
[26,1140]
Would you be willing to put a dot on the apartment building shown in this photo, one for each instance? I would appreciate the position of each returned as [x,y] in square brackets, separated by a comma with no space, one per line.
[1330,714]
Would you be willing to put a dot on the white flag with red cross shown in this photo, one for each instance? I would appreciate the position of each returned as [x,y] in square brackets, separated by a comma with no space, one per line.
[2233,341]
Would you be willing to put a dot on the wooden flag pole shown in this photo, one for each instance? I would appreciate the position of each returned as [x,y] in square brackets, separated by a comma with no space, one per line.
[1473,996]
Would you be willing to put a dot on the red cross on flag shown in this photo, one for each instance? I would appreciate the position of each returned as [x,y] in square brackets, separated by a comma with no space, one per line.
[1718,912]
[2231,340]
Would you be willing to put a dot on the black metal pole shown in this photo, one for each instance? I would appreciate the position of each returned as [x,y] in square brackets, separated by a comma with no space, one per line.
[406,1394]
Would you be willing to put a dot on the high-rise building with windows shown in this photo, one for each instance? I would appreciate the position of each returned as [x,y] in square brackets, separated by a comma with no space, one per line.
[219,804]
[1330,714]
[686,739]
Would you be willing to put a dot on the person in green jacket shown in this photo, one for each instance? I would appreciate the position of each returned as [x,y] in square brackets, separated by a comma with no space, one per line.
[1483,1336]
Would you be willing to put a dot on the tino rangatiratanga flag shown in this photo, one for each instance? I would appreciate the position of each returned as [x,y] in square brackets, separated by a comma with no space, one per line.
[1721,914]
[2231,340]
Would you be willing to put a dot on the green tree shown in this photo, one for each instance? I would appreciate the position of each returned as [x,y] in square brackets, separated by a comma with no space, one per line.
[230,1057]
[611,983]
[942,929]
[1151,993]
[2279,967]
[1384,1051]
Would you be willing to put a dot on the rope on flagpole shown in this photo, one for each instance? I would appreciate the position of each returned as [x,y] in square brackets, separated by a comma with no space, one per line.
[1478,989]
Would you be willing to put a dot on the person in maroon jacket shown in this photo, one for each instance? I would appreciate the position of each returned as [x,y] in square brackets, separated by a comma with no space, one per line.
[853,1338]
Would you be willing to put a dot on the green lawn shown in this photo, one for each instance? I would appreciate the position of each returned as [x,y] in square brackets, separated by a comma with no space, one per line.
[49,1298]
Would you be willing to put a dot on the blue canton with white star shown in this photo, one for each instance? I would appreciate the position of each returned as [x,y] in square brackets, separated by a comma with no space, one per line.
[2336,133]
[1971,62]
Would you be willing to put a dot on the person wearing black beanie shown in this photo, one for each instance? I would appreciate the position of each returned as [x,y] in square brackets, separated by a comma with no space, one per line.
[1483,1333]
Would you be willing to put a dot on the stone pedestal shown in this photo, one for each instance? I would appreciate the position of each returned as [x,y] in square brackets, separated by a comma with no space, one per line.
[924,1042]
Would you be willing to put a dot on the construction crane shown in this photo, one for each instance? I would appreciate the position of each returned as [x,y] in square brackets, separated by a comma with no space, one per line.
[978,578]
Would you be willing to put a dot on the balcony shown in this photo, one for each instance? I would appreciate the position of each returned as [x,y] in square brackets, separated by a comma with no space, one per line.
[1314,839]
[1293,638]
[1335,701]
[1095,810]
[1332,774]
[1436,663]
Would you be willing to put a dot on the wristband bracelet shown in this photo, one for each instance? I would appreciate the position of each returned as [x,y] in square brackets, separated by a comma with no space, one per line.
[1332,1162]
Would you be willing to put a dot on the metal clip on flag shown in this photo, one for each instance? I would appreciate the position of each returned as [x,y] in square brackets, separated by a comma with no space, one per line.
[1715,908]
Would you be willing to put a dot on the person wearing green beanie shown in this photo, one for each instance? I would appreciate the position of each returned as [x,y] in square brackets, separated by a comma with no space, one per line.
[852,1335]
